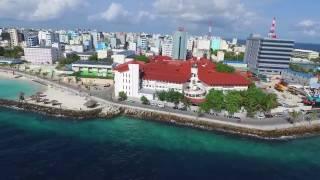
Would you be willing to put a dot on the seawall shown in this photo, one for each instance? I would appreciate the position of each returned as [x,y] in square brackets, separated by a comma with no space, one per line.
[114,111]
[50,111]
[293,132]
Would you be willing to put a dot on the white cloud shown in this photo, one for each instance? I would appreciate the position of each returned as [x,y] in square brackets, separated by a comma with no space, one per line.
[309,27]
[116,13]
[223,13]
[36,10]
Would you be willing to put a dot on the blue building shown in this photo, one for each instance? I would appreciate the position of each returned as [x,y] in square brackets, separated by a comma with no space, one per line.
[215,44]
[101,46]
[268,56]
[32,40]
[180,45]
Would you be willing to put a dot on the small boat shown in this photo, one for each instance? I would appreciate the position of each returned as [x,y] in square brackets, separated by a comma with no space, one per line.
[19,76]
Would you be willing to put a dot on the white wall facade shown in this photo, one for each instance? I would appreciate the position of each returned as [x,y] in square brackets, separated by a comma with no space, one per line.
[161,85]
[167,49]
[46,37]
[75,48]
[127,81]
[14,40]
[41,55]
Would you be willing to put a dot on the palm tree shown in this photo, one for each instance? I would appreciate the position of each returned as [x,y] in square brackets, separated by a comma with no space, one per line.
[186,102]
[313,116]
[295,116]
[21,96]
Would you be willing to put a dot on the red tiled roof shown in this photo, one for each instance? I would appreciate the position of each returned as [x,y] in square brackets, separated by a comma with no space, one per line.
[161,58]
[124,67]
[162,69]
[169,71]
[208,74]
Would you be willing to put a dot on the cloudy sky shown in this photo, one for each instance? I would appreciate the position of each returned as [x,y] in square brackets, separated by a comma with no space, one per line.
[296,19]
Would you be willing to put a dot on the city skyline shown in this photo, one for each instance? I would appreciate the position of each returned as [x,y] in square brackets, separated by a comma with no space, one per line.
[236,18]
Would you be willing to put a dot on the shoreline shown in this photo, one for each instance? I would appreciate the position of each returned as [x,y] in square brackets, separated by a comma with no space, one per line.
[108,109]
[280,134]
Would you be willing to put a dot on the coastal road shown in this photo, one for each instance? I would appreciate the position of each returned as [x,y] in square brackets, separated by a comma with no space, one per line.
[263,124]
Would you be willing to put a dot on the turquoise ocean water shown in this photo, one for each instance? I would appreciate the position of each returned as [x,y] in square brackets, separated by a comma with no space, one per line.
[34,146]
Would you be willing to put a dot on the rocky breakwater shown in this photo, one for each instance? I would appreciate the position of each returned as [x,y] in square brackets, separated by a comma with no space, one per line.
[110,111]
[292,132]
[51,111]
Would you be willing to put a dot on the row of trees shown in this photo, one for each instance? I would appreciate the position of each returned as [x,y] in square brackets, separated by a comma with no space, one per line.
[220,67]
[253,100]
[16,52]
[230,55]
[68,60]
[173,97]
[142,58]
[298,68]
[73,58]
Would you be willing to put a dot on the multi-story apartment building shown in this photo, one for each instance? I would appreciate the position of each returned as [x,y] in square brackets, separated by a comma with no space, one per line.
[179,45]
[45,38]
[14,39]
[268,56]
[167,47]
[37,55]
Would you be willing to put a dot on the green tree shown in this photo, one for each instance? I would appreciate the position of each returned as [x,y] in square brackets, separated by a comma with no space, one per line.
[220,67]
[233,101]
[269,102]
[161,95]
[144,100]
[174,96]
[122,96]
[205,107]
[254,100]
[2,51]
[313,116]
[186,102]
[295,116]
[68,60]
[142,58]
[94,57]
[216,100]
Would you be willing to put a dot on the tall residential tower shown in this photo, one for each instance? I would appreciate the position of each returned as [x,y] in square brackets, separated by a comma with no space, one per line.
[180,45]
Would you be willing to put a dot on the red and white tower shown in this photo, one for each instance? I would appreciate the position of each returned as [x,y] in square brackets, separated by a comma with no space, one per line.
[272,33]
[210,30]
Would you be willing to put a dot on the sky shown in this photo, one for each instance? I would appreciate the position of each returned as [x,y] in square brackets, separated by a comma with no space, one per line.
[296,19]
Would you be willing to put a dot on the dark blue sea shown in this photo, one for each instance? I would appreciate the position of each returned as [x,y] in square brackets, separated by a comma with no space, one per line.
[38,147]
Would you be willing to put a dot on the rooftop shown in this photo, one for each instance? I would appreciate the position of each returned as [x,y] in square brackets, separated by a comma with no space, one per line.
[178,71]
[100,62]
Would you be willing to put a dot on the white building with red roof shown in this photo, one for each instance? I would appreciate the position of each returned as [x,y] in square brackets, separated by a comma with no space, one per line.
[194,78]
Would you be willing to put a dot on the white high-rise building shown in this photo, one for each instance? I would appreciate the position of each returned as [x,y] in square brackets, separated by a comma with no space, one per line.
[190,44]
[63,37]
[234,41]
[143,42]
[96,37]
[129,81]
[14,39]
[132,46]
[167,47]
[267,55]
[179,50]
[203,44]
[45,38]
